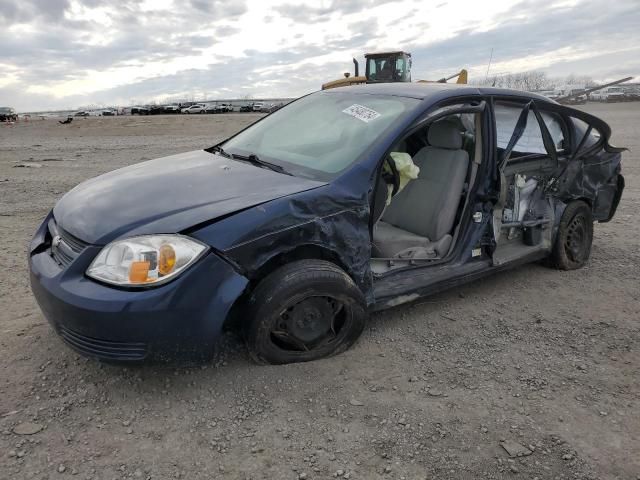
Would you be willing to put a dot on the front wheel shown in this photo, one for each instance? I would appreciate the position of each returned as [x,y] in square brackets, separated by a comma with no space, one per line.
[575,235]
[305,310]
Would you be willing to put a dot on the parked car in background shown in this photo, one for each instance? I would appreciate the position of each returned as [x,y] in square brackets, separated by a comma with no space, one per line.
[246,108]
[609,94]
[82,113]
[212,108]
[140,110]
[271,107]
[257,107]
[171,108]
[197,108]
[632,94]
[219,108]
[8,114]
[108,112]
[344,202]
[575,99]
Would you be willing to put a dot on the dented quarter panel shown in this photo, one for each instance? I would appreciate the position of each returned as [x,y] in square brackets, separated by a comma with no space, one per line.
[595,174]
[594,178]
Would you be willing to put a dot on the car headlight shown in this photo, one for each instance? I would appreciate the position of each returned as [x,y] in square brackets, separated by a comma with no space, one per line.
[145,260]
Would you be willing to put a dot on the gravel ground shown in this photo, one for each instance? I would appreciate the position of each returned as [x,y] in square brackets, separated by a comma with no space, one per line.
[536,362]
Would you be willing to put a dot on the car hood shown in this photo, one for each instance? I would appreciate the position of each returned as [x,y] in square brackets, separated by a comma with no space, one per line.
[169,195]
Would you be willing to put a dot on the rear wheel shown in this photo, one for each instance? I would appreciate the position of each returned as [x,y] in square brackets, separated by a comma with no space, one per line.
[305,310]
[575,235]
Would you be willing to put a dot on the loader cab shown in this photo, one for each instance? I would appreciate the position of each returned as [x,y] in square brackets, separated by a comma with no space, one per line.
[388,67]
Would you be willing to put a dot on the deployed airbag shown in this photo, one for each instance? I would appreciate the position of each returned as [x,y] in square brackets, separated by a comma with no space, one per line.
[407,171]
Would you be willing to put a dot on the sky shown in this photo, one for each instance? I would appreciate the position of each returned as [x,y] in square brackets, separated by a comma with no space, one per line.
[57,54]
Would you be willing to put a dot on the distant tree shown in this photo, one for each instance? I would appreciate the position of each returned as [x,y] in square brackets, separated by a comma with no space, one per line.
[535,80]
[584,80]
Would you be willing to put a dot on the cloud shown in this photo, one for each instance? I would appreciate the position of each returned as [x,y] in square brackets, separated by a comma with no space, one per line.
[69,53]
[222,8]
[530,38]
[312,13]
[26,11]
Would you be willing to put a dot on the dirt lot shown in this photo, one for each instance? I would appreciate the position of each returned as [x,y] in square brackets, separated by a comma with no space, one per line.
[546,359]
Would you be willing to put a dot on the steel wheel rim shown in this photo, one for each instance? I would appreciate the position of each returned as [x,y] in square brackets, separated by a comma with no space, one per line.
[575,244]
[309,324]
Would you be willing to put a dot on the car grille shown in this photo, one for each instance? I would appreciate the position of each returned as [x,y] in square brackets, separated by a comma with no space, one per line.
[65,248]
[103,349]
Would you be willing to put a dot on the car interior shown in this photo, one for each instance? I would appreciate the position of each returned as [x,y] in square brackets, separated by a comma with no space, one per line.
[524,213]
[420,222]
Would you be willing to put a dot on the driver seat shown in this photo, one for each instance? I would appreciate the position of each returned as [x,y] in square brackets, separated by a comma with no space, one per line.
[419,220]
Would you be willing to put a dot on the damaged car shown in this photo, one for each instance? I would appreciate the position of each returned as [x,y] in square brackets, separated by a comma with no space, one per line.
[341,203]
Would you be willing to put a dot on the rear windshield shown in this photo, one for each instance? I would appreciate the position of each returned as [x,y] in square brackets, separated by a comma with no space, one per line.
[320,135]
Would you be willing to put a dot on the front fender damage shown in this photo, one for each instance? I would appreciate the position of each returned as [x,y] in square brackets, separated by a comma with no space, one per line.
[308,220]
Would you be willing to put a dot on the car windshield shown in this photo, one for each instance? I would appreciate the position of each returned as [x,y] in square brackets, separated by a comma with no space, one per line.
[320,135]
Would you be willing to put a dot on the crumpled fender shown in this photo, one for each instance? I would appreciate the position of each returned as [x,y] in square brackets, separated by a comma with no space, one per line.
[328,218]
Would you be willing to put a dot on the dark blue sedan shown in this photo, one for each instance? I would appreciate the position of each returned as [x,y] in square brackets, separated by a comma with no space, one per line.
[343,202]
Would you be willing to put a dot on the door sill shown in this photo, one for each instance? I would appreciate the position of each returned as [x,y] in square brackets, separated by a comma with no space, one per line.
[512,252]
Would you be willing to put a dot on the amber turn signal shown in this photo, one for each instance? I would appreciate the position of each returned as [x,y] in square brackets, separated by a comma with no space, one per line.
[166,259]
[139,272]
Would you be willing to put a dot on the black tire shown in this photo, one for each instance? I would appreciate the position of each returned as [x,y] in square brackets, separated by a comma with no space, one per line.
[305,310]
[575,235]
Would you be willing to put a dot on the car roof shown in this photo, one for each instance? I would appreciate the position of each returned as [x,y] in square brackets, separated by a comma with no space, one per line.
[424,90]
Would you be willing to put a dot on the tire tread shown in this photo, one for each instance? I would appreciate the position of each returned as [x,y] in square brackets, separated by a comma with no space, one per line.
[296,277]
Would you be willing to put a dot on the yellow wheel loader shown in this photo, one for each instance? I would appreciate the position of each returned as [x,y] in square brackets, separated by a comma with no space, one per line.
[386,67]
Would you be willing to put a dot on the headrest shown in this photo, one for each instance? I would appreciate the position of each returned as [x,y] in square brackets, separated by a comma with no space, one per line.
[444,134]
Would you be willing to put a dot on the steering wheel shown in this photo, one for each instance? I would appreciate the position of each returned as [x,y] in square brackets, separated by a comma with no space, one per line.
[392,178]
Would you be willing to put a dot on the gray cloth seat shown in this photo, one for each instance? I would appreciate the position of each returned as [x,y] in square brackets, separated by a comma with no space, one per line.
[419,220]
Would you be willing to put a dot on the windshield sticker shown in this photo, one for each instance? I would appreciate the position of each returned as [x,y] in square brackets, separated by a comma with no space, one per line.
[361,113]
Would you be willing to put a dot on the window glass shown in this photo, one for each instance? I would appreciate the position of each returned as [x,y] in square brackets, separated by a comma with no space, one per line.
[372,67]
[323,133]
[381,69]
[531,140]
[581,129]
[401,69]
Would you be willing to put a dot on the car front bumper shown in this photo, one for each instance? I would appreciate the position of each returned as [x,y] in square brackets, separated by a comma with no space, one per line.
[182,318]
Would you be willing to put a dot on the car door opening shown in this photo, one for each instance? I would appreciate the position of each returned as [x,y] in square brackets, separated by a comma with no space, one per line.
[530,143]
[421,220]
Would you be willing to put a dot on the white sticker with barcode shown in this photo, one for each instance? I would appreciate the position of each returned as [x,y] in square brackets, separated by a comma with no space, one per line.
[361,113]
